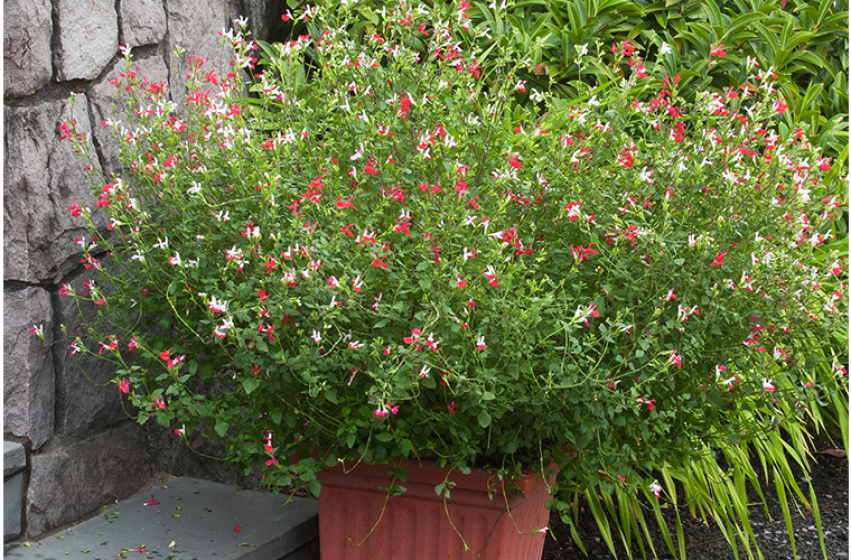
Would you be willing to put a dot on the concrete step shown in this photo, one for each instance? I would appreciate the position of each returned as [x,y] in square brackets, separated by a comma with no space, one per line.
[194,520]
[14,462]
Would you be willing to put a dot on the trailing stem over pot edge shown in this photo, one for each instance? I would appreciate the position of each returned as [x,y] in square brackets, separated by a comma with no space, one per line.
[394,259]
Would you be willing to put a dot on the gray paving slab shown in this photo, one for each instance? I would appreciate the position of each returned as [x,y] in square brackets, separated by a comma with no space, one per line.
[14,457]
[13,488]
[194,520]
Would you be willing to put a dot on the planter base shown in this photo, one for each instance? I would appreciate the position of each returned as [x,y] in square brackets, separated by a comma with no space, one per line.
[415,526]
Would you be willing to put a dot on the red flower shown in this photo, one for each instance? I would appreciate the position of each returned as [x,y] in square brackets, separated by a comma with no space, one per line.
[346,204]
[719,260]
[414,335]
[75,209]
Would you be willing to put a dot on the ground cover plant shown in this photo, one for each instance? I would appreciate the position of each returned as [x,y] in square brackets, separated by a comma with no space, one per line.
[403,249]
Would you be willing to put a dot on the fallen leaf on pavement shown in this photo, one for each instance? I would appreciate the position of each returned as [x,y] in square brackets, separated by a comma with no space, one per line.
[832,452]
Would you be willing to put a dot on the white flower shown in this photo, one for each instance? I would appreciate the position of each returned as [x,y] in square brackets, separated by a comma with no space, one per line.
[665,49]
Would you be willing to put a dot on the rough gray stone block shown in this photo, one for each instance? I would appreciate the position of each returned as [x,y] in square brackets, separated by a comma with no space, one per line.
[102,98]
[28,374]
[87,38]
[85,398]
[194,25]
[27,29]
[13,493]
[73,477]
[14,457]
[142,22]
[194,457]
[42,177]
[260,14]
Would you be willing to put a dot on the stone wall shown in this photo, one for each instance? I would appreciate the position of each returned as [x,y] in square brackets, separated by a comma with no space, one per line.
[81,450]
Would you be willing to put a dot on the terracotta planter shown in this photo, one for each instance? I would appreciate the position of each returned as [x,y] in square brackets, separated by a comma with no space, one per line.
[415,525]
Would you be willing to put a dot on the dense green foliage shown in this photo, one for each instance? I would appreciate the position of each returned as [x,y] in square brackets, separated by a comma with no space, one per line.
[489,246]
[804,42]
[405,247]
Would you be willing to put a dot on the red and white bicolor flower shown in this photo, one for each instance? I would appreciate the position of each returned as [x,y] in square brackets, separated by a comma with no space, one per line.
[586,313]
[573,210]
[684,312]
[217,306]
[641,400]
[425,371]
[220,330]
[480,343]
[431,343]
[768,384]
[655,488]
[729,381]
[490,274]
[415,335]
[675,359]
[830,306]
[113,344]
[384,410]
[317,338]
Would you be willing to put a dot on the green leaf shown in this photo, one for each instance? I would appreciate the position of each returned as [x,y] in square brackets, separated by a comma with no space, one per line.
[484,419]
[222,428]
[250,385]
[742,21]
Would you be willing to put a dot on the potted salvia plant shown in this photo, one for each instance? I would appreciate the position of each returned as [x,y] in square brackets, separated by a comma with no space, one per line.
[384,264]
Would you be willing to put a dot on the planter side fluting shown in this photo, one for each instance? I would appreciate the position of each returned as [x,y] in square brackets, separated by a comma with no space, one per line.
[415,525]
